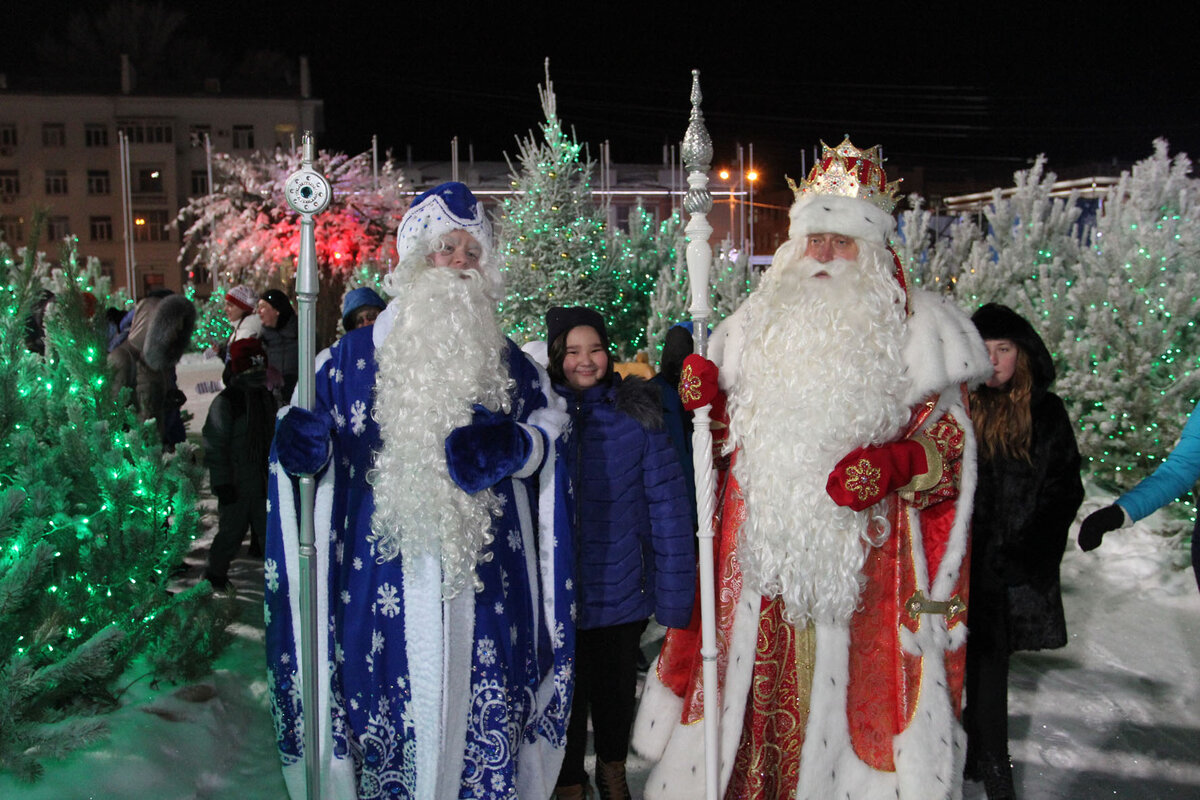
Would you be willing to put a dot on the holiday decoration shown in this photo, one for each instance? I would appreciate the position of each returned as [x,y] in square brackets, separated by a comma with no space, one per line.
[1116,303]
[245,231]
[93,518]
[551,235]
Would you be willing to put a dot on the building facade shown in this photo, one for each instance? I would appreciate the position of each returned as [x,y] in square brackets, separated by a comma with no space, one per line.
[61,153]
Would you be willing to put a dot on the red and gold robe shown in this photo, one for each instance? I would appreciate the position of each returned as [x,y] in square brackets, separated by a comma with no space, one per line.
[865,709]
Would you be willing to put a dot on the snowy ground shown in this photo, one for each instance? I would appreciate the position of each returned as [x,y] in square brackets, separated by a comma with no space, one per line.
[1115,714]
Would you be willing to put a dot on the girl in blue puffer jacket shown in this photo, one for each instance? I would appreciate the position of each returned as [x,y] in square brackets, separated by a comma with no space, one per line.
[633,537]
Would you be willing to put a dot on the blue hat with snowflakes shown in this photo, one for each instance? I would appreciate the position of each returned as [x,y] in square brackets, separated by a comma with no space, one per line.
[444,208]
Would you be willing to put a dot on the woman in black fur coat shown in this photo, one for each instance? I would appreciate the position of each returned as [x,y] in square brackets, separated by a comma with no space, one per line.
[1026,498]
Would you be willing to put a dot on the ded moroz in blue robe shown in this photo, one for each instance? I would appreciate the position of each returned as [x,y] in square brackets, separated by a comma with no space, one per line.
[425,698]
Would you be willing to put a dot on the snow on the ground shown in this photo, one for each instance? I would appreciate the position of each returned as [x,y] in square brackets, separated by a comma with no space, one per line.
[1115,714]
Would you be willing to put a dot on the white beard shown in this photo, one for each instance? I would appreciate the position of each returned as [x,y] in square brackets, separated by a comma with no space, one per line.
[820,374]
[443,355]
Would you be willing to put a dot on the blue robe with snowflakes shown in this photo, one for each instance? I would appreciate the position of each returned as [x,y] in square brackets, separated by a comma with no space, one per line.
[425,698]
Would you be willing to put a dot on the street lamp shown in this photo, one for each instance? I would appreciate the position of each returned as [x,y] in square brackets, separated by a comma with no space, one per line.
[724,175]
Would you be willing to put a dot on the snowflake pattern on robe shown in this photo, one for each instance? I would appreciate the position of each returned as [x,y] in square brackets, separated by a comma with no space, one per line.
[521,668]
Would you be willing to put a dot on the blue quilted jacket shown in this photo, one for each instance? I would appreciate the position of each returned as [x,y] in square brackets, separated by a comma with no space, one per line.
[633,526]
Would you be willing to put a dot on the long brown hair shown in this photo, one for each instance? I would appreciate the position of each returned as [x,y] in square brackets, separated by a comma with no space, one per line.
[1002,417]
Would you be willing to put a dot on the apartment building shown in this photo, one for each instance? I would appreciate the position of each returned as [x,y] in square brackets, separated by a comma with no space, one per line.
[61,153]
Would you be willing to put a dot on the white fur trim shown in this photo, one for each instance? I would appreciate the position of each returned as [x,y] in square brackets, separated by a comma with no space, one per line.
[536,453]
[339,773]
[423,642]
[831,213]
[941,347]
[540,761]
[725,347]
[679,773]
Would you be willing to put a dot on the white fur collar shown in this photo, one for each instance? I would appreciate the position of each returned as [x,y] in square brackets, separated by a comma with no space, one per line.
[941,347]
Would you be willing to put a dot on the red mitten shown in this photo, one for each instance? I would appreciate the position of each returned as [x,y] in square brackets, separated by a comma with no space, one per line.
[868,474]
[697,382]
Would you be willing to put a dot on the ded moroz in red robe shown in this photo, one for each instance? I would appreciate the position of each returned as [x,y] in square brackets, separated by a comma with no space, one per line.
[867,709]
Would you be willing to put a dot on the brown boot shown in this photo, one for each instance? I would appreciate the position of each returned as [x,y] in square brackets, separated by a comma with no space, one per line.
[610,780]
[578,791]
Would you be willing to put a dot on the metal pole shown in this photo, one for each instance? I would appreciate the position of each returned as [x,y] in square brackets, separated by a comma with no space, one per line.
[754,180]
[212,261]
[127,215]
[697,154]
[375,160]
[309,193]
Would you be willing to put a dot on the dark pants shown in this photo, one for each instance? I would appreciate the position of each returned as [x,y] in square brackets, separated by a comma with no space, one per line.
[986,715]
[235,517]
[605,686]
[1196,553]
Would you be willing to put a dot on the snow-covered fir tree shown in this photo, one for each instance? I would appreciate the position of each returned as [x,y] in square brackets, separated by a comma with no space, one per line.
[732,279]
[933,249]
[1030,257]
[552,241]
[1133,347]
[247,233]
[93,517]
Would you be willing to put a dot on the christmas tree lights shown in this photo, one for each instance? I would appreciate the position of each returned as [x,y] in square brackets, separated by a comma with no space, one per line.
[93,517]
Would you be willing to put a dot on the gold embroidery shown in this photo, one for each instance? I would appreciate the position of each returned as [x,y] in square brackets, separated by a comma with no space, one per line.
[689,385]
[863,479]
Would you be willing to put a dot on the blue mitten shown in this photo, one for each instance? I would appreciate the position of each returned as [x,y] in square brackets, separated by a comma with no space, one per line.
[302,441]
[485,452]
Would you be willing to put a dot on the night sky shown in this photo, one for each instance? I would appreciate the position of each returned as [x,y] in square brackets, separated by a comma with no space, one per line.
[948,86]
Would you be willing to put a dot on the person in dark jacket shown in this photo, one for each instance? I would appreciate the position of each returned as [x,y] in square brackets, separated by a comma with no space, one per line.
[145,362]
[633,535]
[237,440]
[677,346]
[1028,491]
[281,338]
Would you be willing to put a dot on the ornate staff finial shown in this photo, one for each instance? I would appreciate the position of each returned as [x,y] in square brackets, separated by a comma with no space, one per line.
[697,151]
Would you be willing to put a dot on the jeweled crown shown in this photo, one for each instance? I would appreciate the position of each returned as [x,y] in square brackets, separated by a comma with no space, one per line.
[850,172]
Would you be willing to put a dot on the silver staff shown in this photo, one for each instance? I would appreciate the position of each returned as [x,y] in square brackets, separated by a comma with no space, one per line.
[308,193]
[697,156]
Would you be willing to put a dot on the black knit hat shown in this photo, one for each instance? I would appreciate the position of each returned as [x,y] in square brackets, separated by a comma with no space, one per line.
[280,302]
[560,320]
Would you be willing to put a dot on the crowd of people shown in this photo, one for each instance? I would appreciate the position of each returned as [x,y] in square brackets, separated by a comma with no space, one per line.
[495,528]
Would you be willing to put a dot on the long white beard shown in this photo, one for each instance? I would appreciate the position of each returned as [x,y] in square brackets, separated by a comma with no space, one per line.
[443,355]
[820,374]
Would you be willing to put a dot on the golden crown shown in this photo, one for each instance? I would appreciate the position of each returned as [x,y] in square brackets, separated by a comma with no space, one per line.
[850,172]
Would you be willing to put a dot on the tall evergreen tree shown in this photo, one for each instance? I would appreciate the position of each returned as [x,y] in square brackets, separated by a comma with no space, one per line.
[1133,347]
[93,517]
[552,239]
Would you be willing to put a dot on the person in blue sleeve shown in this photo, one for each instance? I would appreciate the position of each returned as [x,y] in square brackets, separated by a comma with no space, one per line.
[1174,476]
[633,540]
[442,540]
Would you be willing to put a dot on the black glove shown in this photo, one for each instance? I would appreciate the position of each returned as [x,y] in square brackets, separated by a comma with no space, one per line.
[226,494]
[1099,523]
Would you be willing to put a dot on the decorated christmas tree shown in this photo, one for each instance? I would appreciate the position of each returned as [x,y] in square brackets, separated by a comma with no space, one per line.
[552,242]
[644,250]
[1116,304]
[732,281]
[93,517]
[247,233]
[1133,347]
